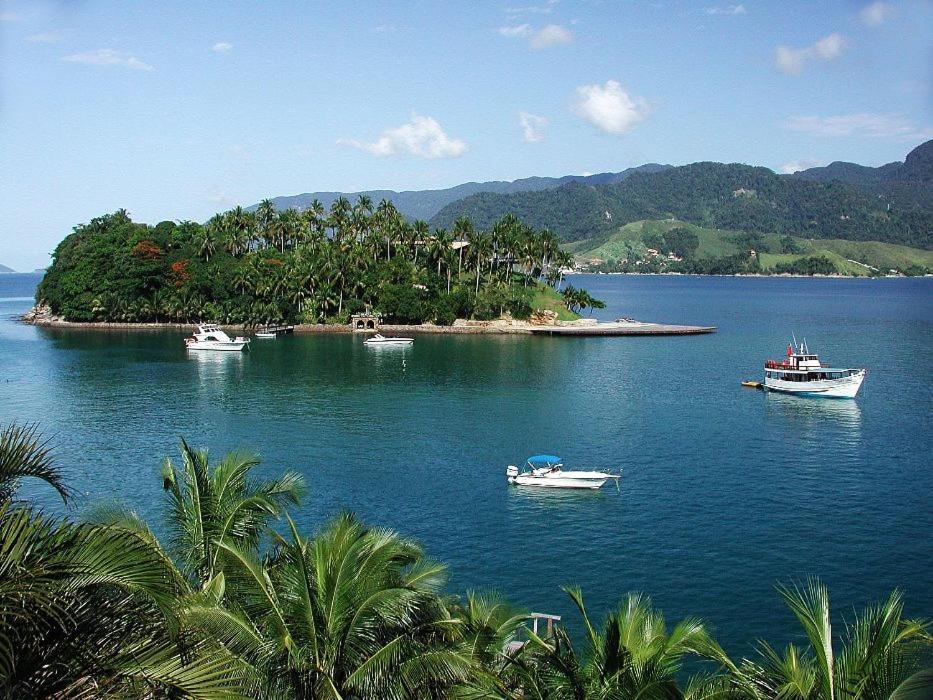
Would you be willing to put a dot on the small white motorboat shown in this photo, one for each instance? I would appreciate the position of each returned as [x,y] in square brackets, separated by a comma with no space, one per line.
[210,337]
[547,471]
[265,334]
[380,340]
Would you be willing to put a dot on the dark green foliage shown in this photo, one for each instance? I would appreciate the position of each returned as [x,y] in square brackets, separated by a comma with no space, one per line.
[681,241]
[812,265]
[401,303]
[653,240]
[789,245]
[288,266]
[750,240]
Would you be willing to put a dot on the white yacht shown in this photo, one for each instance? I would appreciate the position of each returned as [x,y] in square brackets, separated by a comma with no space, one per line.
[547,471]
[380,340]
[210,337]
[801,373]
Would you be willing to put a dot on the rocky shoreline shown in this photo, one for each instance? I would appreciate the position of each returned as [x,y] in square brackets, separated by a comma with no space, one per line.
[42,316]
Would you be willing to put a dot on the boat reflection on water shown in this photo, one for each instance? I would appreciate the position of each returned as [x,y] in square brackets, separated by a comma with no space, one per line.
[816,413]
[540,501]
[214,366]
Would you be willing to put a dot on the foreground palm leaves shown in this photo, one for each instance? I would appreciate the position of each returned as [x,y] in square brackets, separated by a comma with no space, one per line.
[353,613]
[87,610]
[212,507]
[876,653]
[234,610]
[24,454]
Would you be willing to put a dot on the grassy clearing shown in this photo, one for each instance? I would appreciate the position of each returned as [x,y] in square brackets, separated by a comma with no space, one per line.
[546,298]
[717,243]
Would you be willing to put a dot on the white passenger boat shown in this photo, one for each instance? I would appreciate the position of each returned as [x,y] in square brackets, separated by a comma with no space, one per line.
[265,334]
[801,373]
[547,471]
[210,337]
[380,340]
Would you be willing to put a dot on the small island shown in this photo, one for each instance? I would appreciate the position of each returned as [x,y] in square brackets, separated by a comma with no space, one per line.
[312,267]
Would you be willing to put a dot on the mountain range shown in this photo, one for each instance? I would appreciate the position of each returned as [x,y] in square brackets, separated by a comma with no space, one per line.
[892,203]
[424,204]
[5,270]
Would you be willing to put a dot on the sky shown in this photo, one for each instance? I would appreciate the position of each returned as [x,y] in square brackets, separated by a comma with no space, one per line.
[177,110]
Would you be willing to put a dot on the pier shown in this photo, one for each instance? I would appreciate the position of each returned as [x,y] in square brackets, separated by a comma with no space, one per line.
[278,330]
[621,328]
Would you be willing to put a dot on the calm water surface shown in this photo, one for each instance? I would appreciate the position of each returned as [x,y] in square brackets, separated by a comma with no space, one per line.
[725,490]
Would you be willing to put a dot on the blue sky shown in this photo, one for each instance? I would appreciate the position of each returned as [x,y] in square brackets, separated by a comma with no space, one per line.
[178,110]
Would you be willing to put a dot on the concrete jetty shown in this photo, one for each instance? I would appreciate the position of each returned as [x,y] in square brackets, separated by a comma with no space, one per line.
[621,328]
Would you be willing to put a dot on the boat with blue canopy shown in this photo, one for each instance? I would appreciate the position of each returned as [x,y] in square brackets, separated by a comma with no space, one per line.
[548,471]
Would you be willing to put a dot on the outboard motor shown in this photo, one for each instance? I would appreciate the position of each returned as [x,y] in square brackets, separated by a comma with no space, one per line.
[511,472]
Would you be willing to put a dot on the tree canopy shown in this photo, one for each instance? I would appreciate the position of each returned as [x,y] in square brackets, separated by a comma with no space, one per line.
[311,266]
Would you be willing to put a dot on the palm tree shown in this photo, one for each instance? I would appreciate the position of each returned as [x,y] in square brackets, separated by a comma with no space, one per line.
[489,625]
[88,611]
[213,506]
[481,245]
[24,454]
[877,653]
[339,217]
[463,232]
[265,213]
[206,240]
[352,613]
[633,655]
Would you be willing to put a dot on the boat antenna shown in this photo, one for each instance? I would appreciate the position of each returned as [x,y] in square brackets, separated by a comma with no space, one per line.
[794,336]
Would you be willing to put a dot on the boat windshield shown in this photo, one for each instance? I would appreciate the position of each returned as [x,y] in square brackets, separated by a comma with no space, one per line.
[544,460]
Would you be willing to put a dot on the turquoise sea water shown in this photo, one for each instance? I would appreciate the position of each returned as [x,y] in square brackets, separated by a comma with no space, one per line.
[725,491]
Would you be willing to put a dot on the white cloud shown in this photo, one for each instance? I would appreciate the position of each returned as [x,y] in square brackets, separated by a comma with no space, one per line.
[222,47]
[422,137]
[533,127]
[726,10]
[875,14]
[863,124]
[543,9]
[795,166]
[545,37]
[521,31]
[43,38]
[792,61]
[108,57]
[609,107]
[551,35]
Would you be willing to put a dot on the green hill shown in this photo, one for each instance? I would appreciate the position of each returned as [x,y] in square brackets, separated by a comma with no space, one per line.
[907,185]
[716,196]
[628,245]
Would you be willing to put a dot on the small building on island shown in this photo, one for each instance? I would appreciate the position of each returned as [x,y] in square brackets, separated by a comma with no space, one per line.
[365,322]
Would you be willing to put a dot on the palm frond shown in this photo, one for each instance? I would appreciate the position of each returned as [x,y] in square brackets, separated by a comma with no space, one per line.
[25,454]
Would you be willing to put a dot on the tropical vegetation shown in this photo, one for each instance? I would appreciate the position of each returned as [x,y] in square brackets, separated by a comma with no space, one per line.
[309,266]
[236,602]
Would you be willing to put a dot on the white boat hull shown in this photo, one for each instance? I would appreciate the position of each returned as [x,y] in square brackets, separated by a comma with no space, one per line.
[223,347]
[387,343]
[844,388]
[562,480]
